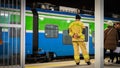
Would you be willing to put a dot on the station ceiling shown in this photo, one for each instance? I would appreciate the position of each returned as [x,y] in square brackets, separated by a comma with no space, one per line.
[109,5]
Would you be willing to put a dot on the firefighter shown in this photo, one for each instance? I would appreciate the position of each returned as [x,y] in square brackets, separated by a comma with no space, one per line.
[75,31]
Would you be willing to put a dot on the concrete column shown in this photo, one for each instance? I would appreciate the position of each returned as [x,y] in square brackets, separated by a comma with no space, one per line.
[22,47]
[99,21]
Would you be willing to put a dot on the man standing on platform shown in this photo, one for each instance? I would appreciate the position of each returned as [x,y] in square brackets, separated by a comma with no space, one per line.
[78,40]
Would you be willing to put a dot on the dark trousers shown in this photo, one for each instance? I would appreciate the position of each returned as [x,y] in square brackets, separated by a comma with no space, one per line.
[117,57]
[111,55]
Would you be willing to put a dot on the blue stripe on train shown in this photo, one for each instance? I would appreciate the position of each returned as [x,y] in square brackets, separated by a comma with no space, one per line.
[47,44]
[53,45]
[91,46]
[10,45]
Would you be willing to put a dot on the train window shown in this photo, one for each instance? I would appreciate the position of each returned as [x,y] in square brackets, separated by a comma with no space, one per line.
[85,32]
[51,31]
[66,38]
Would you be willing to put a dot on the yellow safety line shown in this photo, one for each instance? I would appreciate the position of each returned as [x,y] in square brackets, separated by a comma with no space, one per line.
[53,64]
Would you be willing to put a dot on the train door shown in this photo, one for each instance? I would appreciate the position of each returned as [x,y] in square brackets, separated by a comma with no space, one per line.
[86,33]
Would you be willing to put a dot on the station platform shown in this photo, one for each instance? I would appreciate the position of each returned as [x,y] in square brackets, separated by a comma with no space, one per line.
[70,64]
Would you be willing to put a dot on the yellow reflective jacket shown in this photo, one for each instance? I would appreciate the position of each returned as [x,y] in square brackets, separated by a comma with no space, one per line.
[76,27]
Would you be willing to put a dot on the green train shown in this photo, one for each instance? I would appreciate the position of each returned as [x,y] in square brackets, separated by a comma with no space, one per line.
[52,32]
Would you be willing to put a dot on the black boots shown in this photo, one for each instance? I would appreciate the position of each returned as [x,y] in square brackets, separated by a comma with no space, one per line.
[89,63]
[77,63]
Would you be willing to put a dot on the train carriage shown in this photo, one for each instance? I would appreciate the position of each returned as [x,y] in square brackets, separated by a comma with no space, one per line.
[52,32]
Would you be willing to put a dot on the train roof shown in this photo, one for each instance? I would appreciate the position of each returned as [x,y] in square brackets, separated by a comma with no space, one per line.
[60,12]
[72,14]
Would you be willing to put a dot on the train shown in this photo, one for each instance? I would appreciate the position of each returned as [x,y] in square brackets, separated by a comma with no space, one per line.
[53,38]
